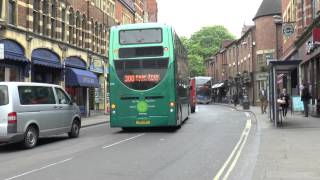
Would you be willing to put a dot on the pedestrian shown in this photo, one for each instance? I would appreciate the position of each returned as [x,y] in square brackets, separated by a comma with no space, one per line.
[235,99]
[263,100]
[305,98]
[286,98]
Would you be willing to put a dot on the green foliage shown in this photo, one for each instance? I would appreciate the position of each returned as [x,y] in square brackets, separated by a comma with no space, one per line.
[204,44]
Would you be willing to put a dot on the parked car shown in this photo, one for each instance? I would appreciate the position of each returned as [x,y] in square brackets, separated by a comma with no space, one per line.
[32,110]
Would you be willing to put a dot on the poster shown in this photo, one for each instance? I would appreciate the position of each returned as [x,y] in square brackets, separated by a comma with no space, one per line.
[297,104]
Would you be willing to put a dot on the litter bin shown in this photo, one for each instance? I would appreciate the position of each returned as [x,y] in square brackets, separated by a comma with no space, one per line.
[245,102]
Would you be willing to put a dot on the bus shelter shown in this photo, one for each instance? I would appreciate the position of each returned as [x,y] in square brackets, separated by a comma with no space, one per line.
[282,74]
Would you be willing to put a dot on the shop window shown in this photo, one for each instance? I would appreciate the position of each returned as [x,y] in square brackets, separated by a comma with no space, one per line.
[30,95]
[12,12]
[2,73]
[53,19]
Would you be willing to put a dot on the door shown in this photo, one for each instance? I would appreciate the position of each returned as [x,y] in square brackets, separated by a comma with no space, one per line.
[65,107]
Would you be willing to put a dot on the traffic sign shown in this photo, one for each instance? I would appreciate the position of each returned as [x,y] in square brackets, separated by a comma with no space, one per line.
[287,29]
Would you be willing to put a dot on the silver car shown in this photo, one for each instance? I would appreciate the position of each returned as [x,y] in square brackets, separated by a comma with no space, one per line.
[32,110]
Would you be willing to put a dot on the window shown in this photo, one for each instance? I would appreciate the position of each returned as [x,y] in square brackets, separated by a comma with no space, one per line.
[84,31]
[92,35]
[62,97]
[315,8]
[71,24]
[63,24]
[141,36]
[96,33]
[45,11]
[78,29]
[30,95]
[36,16]
[4,97]
[12,12]
[1,5]
[53,19]
[141,74]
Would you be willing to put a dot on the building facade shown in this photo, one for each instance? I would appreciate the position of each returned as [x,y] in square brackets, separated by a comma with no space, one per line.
[61,42]
[242,64]
[303,44]
[151,11]
[125,11]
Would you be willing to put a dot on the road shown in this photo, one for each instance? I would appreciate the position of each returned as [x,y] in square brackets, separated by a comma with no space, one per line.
[199,150]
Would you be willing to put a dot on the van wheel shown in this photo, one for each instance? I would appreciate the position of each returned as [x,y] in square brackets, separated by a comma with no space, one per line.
[75,130]
[30,137]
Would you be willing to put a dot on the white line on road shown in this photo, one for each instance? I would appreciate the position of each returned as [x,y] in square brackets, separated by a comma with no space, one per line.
[247,114]
[39,169]
[104,147]
[236,151]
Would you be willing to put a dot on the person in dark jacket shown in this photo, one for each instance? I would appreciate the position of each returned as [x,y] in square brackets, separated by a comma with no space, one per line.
[285,97]
[305,98]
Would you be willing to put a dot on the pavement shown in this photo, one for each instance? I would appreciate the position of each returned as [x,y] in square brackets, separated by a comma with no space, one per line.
[94,120]
[289,152]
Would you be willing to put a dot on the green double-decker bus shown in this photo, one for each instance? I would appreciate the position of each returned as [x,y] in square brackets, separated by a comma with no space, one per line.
[148,76]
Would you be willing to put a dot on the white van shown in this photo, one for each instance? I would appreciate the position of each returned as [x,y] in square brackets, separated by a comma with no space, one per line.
[32,110]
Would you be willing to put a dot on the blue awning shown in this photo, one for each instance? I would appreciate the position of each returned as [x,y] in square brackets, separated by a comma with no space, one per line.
[13,51]
[46,57]
[81,78]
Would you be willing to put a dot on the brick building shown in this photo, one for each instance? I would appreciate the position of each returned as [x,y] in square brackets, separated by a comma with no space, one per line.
[242,64]
[125,11]
[303,44]
[151,11]
[58,42]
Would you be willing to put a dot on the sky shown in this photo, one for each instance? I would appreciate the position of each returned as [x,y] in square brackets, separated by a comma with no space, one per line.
[188,16]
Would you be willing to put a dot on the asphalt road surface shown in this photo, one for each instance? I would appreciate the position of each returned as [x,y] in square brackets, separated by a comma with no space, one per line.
[200,150]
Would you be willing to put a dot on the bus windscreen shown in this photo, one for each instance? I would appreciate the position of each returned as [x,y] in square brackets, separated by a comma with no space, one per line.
[141,74]
[140,36]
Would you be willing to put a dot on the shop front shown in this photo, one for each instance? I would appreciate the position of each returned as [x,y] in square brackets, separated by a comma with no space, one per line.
[78,81]
[46,67]
[97,94]
[309,51]
[14,66]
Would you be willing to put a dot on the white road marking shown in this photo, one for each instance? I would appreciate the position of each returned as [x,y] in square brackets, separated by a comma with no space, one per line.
[235,154]
[39,169]
[104,147]
[247,114]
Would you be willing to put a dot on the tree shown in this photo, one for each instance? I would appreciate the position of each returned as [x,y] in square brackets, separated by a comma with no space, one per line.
[204,44]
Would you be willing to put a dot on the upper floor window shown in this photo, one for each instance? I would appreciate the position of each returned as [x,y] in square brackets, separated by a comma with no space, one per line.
[12,12]
[36,16]
[1,8]
[71,24]
[63,24]
[45,11]
[53,19]
[84,31]
[78,26]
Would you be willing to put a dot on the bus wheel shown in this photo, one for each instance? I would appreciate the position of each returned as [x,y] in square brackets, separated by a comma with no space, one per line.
[127,129]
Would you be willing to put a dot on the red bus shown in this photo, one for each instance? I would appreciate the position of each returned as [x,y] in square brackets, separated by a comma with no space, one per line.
[193,97]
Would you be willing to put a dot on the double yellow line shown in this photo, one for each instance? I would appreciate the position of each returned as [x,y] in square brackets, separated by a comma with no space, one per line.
[229,165]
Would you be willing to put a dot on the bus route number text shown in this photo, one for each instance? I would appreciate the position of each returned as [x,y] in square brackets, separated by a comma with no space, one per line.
[142,78]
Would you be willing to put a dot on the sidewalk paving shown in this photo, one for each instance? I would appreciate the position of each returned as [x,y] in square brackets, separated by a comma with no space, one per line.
[94,120]
[289,152]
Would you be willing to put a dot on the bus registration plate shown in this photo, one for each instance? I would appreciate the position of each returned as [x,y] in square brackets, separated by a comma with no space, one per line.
[143,122]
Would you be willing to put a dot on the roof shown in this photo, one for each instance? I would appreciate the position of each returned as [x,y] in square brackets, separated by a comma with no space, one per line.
[268,8]
[141,25]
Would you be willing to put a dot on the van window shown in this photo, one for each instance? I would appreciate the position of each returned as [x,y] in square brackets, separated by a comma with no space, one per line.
[4,98]
[62,97]
[30,95]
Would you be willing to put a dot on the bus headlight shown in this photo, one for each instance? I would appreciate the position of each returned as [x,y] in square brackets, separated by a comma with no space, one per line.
[113,106]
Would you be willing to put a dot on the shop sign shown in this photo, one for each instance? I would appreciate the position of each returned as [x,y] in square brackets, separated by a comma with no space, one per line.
[287,29]
[310,47]
[262,76]
[1,51]
[96,65]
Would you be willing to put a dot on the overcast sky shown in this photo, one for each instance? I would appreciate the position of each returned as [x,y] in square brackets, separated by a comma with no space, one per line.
[188,16]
